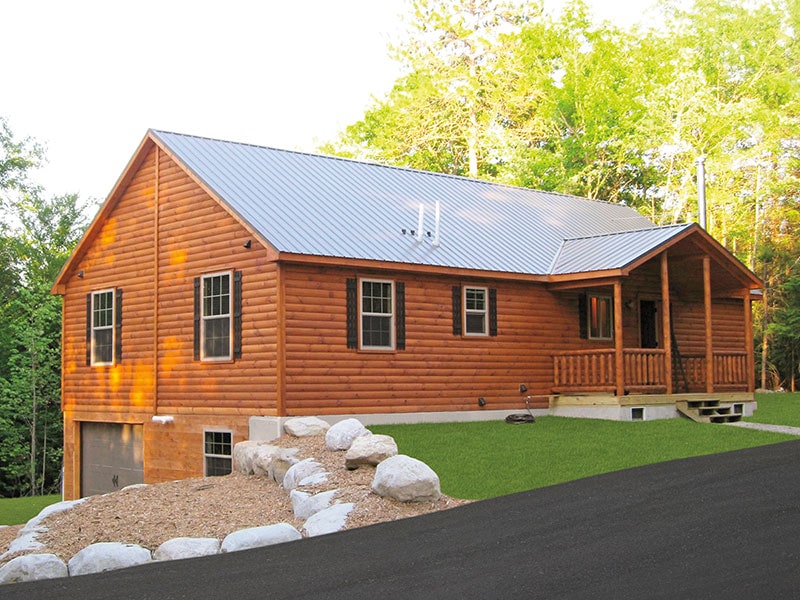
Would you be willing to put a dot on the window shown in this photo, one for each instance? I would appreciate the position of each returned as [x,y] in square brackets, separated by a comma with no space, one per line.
[377,314]
[104,327]
[601,324]
[218,316]
[475,311]
[218,452]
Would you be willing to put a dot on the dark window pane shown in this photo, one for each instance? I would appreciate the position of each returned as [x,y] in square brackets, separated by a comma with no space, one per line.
[376,331]
[476,323]
[103,347]
[217,341]
[217,466]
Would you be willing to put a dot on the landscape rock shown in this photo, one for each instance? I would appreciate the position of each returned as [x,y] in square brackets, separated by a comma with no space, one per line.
[256,537]
[243,456]
[341,435]
[306,426]
[33,567]
[370,450]
[330,520]
[186,547]
[107,556]
[281,462]
[254,458]
[24,542]
[406,479]
[301,470]
[305,505]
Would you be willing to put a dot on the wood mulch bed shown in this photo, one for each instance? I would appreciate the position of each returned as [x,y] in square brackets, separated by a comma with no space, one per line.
[215,507]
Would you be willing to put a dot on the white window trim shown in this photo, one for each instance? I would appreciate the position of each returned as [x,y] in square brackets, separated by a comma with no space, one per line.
[111,327]
[204,318]
[484,312]
[205,455]
[362,314]
[609,300]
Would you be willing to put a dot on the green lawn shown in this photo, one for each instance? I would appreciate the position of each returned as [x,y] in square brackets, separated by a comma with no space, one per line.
[14,511]
[778,409]
[490,458]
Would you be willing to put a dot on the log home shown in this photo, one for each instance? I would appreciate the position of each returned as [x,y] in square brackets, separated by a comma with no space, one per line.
[223,283]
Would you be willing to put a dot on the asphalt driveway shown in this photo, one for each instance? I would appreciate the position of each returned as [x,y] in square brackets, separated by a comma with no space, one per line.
[723,526]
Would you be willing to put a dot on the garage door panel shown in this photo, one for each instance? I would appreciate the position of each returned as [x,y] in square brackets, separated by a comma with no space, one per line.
[111,457]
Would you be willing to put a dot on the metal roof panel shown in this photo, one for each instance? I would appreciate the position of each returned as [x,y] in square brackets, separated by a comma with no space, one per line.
[328,206]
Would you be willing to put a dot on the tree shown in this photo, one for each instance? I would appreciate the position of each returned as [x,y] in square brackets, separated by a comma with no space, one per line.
[36,237]
[446,113]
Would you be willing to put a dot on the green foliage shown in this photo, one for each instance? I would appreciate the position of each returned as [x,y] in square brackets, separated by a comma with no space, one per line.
[492,458]
[36,238]
[16,511]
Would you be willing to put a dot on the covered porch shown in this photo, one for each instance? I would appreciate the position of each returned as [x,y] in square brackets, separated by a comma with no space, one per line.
[673,323]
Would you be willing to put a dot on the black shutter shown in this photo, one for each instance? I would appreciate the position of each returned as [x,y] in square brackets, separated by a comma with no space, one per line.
[197,318]
[400,316]
[237,314]
[88,330]
[118,327]
[352,313]
[492,311]
[457,330]
[582,316]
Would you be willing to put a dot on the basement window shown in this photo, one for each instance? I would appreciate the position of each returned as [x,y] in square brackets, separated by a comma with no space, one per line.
[637,413]
[218,453]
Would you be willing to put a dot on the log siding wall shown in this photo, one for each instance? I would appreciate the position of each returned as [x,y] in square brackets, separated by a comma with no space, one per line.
[157,374]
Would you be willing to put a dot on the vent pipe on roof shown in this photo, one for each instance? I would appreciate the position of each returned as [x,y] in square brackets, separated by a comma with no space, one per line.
[419,223]
[436,225]
[701,191]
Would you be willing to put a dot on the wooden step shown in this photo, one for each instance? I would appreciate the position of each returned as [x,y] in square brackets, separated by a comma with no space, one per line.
[709,411]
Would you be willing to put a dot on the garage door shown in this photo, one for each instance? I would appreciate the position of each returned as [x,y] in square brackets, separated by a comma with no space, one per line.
[111,457]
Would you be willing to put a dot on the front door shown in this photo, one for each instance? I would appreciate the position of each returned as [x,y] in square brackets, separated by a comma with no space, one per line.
[648,324]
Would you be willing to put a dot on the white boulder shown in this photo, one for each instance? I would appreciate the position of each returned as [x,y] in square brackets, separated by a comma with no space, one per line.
[341,435]
[406,479]
[33,567]
[305,505]
[107,556]
[256,537]
[370,450]
[254,458]
[186,547]
[281,462]
[300,471]
[330,520]
[306,426]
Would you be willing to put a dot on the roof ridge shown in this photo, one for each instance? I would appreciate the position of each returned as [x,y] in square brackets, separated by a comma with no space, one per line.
[626,231]
[360,161]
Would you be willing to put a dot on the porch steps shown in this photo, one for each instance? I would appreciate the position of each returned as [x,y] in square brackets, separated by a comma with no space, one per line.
[710,411]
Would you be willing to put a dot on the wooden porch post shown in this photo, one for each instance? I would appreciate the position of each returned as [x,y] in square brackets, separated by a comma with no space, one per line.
[709,340]
[666,323]
[748,343]
[618,345]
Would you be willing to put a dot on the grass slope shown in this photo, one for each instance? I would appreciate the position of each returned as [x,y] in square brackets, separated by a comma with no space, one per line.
[778,409]
[488,459]
[14,511]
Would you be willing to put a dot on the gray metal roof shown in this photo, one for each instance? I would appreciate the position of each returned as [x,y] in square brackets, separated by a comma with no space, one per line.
[611,251]
[326,206]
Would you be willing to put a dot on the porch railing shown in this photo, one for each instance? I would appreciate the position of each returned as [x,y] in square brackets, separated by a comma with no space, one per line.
[645,370]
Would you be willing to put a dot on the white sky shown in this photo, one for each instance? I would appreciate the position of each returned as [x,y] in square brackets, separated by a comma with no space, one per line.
[87,78]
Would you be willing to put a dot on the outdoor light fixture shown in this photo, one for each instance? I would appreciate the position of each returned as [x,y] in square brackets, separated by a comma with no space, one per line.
[163,419]
[481,401]
[80,274]
[523,388]
[248,244]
